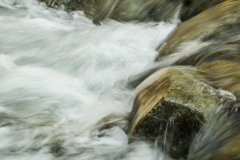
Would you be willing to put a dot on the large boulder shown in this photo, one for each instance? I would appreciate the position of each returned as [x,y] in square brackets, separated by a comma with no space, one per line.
[219,23]
[172,105]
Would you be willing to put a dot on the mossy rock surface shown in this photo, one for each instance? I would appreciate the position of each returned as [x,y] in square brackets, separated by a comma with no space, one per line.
[173,125]
[180,111]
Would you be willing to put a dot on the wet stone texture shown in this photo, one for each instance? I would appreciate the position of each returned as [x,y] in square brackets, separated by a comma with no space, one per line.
[181,112]
[193,7]
[219,23]
[70,5]
[135,10]
[167,118]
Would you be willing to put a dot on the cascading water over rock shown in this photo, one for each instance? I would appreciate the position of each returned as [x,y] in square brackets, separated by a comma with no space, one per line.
[64,82]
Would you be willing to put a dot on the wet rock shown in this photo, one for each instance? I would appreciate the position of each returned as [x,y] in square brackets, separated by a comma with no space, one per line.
[217,137]
[135,10]
[121,10]
[111,121]
[223,74]
[56,148]
[220,63]
[138,10]
[171,106]
[68,5]
[230,152]
[193,7]
[219,23]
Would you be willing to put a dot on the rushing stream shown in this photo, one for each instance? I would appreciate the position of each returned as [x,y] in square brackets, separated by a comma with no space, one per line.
[60,75]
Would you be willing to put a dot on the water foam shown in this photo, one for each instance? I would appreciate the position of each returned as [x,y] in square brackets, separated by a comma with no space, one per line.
[60,75]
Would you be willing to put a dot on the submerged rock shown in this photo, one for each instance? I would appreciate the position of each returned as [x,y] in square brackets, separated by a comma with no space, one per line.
[68,5]
[230,152]
[219,23]
[121,10]
[135,10]
[217,137]
[172,105]
[193,7]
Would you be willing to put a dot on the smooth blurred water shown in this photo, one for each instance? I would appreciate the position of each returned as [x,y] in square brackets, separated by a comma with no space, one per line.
[60,75]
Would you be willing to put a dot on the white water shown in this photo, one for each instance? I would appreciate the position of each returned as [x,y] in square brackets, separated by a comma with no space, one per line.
[60,75]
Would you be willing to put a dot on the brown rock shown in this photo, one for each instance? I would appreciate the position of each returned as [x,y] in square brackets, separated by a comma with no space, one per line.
[220,63]
[193,7]
[174,96]
[230,152]
[219,23]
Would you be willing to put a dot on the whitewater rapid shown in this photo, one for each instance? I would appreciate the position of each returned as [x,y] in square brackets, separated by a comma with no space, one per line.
[60,75]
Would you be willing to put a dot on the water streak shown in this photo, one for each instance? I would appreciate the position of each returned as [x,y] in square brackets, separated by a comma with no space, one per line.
[60,75]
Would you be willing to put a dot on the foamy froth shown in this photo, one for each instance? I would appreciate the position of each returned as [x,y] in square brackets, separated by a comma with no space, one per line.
[60,75]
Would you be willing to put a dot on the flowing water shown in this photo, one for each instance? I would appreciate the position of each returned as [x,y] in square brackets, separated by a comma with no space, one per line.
[64,83]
